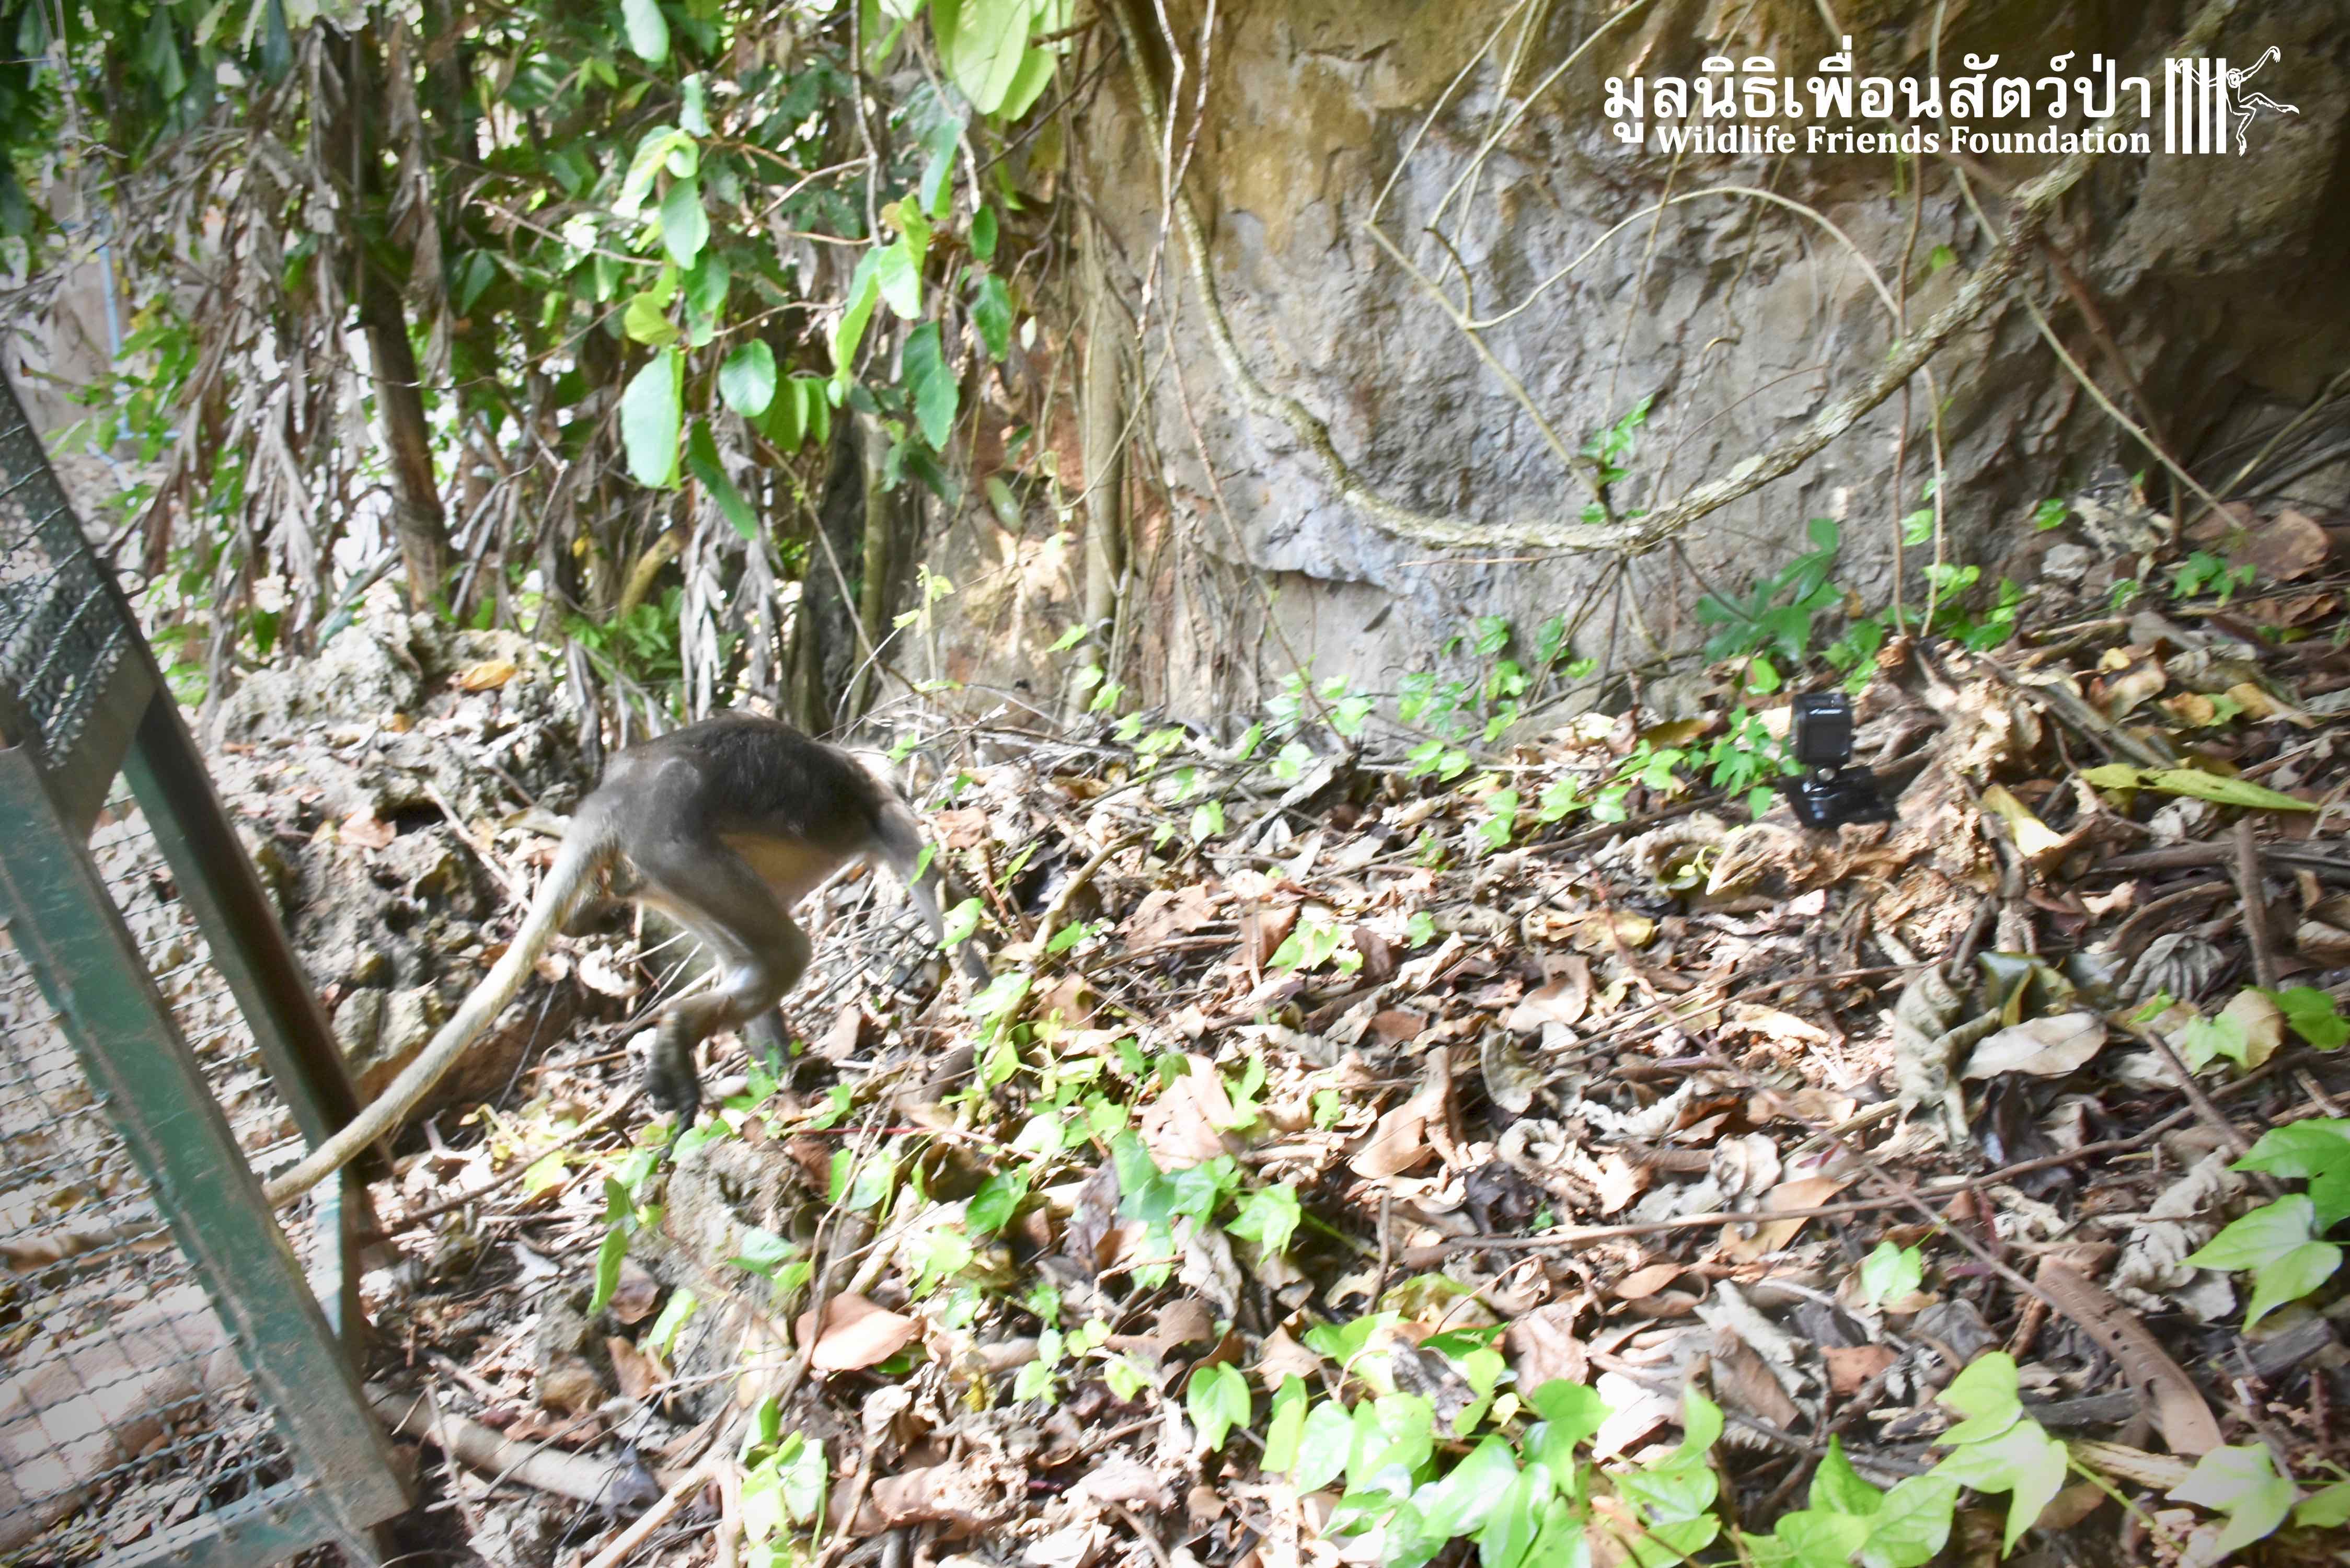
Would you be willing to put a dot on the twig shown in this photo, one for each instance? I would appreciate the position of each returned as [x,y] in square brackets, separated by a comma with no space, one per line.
[2207,1113]
[854,1501]
[640,1531]
[2256,905]
[573,1476]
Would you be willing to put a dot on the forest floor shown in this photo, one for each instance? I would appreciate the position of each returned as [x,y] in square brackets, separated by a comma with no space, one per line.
[1355,1164]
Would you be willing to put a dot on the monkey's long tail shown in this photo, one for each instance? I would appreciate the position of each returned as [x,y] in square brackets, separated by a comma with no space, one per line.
[584,849]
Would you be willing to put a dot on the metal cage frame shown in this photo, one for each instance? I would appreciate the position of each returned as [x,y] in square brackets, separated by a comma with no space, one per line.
[82,703]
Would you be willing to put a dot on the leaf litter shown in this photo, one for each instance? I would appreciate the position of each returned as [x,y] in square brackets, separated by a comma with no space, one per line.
[1360,1184]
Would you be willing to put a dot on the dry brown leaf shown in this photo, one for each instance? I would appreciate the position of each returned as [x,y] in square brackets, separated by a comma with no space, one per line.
[2138,682]
[2033,836]
[1401,1138]
[1281,1357]
[569,1384]
[2186,1422]
[1264,930]
[638,1372]
[2288,546]
[964,828]
[487,675]
[1646,1281]
[1742,1381]
[965,1497]
[1851,1367]
[1543,1348]
[1804,1192]
[1396,1025]
[365,830]
[1563,1001]
[859,1332]
[1186,1320]
[1771,1021]
[1183,1126]
[2046,1047]
[845,1037]
[1511,1081]
[634,1297]
[2262,1022]
[1608,930]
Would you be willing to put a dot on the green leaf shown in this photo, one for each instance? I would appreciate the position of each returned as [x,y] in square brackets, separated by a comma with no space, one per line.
[2242,1483]
[900,277]
[1837,1485]
[649,419]
[2260,1237]
[1216,1401]
[982,233]
[2326,1509]
[991,313]
[803,1472]
[762,1251]
[2316,1017]
[1286,1432]
[608,1259]
[1816,1538]
[1516,1519]
[933,383]
[1268,1217]
[856,309]
[1912,1525]
[1028,83]
[983,44]
[685,227]
[1467,1497]
[2291,1276]
[2024,1461]
[2220,790]
[647,30]
[938,172]
[673,1316]
[1986,1393]
[998,1200]
[706,283]
[702,461]
[646,321]
[747,379]
[1891,1272]
[1394,1436]
[1323,1445]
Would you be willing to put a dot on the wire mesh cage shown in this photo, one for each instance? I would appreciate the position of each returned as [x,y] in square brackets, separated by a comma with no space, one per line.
[123,1413]
[171,1388]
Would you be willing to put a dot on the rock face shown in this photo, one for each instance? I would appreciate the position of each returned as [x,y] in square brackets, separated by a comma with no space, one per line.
[2215,279]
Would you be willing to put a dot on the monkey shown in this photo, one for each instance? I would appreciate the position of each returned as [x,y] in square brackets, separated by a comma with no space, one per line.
[722,827]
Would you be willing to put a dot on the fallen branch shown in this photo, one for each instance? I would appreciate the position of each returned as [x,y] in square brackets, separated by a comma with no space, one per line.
[603,1482]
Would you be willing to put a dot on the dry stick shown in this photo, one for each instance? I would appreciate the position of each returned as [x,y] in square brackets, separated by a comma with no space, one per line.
[2209,1114]
[653,1517]
[482,1449]
[1988,284]
[2256,905]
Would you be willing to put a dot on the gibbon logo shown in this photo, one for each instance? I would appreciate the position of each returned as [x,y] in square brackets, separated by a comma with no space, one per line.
[2206,103]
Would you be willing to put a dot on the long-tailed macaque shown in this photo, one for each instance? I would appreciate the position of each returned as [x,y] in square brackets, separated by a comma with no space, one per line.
[722,827]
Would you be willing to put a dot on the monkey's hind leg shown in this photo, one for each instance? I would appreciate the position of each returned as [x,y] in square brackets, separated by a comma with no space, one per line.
[758,951]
